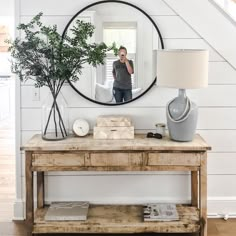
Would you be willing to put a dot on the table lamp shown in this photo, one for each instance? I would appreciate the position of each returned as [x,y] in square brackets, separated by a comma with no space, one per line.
[182,69]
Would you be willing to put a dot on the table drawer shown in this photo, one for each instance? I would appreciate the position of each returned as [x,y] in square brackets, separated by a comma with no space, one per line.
[116,159]
[58,159]
[187,159]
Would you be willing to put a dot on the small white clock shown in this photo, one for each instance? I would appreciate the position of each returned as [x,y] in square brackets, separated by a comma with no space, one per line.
[80,127]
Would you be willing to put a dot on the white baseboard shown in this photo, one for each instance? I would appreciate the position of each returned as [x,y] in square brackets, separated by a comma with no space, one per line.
[218,207]
[19,209]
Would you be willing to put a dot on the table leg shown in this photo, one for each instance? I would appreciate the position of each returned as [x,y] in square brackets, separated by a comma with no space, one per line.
[29,198]
[194,188]
[203,194]
[40,189]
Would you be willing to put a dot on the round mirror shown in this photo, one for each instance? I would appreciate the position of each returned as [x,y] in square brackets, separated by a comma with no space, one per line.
[130,72]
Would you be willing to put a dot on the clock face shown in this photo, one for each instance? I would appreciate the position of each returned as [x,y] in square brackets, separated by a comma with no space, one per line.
[81,127]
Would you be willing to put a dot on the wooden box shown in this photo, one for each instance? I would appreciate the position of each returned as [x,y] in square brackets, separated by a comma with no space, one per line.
[116,132]
[113,121]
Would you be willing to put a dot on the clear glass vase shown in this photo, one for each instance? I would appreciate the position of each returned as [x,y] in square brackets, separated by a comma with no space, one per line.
[55,118]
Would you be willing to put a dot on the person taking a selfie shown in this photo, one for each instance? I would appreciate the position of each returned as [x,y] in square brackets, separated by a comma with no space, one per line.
[122,70]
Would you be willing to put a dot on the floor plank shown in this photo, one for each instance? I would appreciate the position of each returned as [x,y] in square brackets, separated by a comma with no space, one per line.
[13,229]
[225,227]
[7,174]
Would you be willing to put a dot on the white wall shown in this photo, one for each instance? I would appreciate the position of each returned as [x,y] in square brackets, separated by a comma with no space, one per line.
[7,8]
[217,122]
[211,24]
[6,19]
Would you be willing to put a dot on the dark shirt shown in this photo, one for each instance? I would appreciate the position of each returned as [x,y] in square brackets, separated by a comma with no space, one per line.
[122,76]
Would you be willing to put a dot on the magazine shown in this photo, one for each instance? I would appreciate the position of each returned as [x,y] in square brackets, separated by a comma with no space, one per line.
[67,211]
[160,212]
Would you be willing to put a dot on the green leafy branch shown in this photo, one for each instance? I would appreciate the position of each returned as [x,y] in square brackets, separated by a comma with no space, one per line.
[44,56]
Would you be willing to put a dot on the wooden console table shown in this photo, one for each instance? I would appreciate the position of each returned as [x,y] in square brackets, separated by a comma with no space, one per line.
[140,154]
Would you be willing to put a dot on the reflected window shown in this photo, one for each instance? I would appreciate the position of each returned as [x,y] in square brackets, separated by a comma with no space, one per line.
[123,34]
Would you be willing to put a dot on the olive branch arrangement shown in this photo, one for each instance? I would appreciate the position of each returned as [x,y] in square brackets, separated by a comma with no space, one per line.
[47,58]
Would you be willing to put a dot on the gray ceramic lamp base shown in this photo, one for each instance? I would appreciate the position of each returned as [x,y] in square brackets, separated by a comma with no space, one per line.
[182,117]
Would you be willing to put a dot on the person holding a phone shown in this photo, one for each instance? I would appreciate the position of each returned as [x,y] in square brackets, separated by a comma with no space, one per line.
[122,70]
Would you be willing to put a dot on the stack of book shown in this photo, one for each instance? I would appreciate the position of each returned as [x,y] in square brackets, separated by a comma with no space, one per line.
[160,212]
[67,211]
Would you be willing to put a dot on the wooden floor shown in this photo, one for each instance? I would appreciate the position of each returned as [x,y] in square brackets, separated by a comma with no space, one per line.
[7,170]
[217,227]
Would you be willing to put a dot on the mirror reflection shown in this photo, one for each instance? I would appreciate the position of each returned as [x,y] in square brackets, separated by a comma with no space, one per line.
[127,75]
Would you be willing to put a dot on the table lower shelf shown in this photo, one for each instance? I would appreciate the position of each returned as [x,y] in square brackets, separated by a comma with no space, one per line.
[119,219]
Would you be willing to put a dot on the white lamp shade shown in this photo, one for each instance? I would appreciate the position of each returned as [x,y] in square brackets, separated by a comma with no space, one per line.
[183,69]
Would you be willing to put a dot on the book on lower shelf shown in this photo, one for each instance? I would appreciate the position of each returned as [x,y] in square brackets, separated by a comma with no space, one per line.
[160,212]
[62,211]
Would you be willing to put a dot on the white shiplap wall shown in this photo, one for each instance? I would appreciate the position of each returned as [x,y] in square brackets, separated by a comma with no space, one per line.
[217,122]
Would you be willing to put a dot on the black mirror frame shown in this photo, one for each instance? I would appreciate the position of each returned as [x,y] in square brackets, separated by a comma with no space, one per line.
[142,11]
